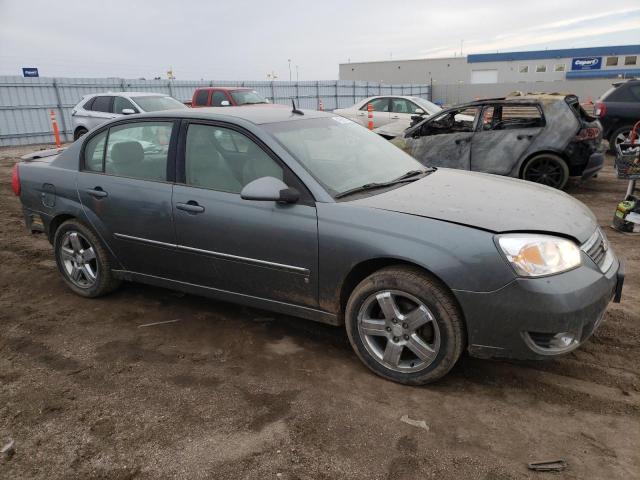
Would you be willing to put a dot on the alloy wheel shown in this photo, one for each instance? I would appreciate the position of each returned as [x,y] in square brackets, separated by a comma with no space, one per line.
[78,259]
[545,170]
[399,331]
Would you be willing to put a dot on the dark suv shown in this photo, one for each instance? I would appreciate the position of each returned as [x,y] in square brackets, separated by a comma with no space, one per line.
[618,109]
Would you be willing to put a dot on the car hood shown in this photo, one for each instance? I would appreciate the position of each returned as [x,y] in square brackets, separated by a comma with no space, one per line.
[489,202]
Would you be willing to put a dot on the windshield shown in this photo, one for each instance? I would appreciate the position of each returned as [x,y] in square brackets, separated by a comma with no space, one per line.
[341,154]
[155,104]
[247,97]
[426,105]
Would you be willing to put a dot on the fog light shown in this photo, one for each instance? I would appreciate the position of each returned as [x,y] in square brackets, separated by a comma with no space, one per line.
[552,343]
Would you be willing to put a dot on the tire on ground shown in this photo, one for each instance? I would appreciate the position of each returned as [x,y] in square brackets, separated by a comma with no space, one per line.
[438,300]
[554,158]
[612,138]
[105,280]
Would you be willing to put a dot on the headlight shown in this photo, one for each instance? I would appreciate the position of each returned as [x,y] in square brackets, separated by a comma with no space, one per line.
[537,255]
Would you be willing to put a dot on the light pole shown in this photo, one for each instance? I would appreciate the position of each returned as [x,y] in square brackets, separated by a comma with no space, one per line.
[297,74]
[289,60]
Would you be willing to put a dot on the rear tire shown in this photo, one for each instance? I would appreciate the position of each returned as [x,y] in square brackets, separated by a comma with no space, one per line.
[547,169]
[79,132]
[83,261]
[405,326]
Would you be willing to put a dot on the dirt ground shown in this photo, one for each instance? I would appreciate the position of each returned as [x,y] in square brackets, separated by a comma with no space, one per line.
[231,392]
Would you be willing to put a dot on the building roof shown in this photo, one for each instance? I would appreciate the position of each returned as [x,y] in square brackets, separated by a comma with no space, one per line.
[560,53]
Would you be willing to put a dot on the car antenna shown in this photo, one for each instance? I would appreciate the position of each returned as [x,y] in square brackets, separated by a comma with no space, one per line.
[295,109]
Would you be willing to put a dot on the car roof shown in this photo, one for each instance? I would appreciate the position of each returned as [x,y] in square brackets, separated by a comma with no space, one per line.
[228,89]
[256,115]
[126,94]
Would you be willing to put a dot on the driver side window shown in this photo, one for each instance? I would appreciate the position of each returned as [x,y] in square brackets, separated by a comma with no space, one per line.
[222,159]
[454,121]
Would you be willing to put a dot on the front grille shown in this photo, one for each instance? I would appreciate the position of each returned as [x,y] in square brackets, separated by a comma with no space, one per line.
[597,248]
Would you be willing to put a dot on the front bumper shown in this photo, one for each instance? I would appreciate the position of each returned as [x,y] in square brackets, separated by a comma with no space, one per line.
[594,165]
[527,319]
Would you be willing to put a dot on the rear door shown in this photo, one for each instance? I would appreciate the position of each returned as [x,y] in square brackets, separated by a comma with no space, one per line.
[505,132]
[125,186]
[260,249]
[101,111]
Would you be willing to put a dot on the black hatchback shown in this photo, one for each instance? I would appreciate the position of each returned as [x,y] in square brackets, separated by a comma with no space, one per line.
[618,110]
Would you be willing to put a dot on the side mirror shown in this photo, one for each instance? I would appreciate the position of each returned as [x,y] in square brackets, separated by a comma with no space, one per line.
[269,189]
[225,103]
[418,111]
[128,111]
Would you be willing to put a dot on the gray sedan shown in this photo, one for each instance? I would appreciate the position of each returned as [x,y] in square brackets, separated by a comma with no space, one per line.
[310,214]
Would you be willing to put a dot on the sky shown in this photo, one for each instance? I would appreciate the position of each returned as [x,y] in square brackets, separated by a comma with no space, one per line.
[249,39]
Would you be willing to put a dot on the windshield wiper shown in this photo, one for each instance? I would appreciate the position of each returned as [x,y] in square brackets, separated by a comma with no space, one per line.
[410,176]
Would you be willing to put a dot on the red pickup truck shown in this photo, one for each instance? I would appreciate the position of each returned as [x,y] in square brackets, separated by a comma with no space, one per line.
[226,97]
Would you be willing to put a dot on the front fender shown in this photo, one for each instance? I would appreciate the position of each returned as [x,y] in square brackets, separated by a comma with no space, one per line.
[464,258]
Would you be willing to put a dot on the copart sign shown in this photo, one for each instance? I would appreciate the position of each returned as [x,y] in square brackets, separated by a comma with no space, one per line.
[586,63]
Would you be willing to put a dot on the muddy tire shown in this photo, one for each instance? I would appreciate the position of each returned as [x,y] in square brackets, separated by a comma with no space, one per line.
[547,169]
[82,260]
[405,325]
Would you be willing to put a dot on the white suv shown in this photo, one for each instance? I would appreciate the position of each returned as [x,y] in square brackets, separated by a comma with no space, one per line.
[97,108]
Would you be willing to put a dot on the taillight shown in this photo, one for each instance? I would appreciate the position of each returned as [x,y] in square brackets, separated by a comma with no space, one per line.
[590,133]
[15,180]
[600,110]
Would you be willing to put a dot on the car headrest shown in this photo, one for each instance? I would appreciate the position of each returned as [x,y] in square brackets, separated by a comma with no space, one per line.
[127,152]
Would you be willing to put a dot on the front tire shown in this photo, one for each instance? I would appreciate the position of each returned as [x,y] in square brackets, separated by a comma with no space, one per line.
[83,261]
[405,326]
[547,169]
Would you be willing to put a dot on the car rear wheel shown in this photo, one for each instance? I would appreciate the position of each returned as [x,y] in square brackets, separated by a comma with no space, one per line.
[404,326]
[618,137]
[547,169]
[79,132]
[83,261]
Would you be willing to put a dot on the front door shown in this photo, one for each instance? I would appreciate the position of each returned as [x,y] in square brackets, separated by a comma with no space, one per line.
[261,249]
[445,141]
[504,135]
[126,194]
[380,112]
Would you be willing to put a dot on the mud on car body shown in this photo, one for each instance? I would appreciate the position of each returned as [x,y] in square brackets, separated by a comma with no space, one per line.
[312,215]
[544,138]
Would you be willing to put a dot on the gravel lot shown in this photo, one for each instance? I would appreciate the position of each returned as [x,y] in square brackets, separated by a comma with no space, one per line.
[232,392]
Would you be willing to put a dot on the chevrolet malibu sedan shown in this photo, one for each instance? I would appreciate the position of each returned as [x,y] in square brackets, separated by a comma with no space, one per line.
[309,214]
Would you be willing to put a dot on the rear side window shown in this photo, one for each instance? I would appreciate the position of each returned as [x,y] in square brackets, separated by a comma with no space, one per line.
[509,117]
[139,150]
[624,93]
[94,153]
[217,98]
[89,103]
[101,104]
[202,97]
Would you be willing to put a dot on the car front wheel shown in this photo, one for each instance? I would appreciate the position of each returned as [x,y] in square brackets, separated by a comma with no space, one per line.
[405,326]
[82,260]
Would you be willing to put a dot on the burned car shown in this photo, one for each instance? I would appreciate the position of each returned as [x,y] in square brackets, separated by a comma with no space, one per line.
[543,138]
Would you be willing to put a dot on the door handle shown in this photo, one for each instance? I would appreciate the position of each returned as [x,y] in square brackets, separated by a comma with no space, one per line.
[361,114]
[190,207]
[396,116]
[460,140]
[521,137]
[97,192]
